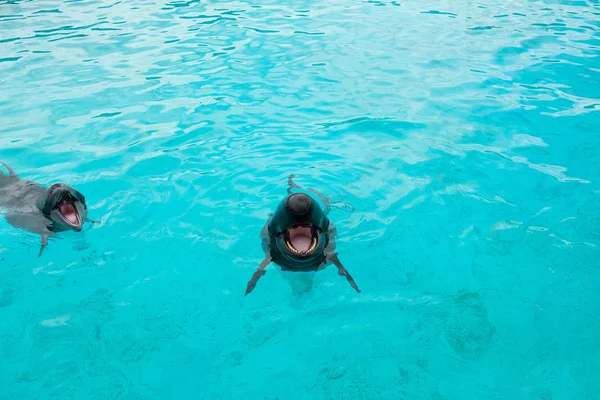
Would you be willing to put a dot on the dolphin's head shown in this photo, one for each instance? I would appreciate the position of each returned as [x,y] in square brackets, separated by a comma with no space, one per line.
[64,206]
[299,225]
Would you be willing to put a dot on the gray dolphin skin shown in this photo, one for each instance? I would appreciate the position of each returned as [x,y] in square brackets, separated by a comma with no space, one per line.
[299,237]
[40,210]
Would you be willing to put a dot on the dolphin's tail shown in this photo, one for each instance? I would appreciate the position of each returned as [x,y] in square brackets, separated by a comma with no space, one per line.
[10,170]
[292,184]
[343,205]
[326,202]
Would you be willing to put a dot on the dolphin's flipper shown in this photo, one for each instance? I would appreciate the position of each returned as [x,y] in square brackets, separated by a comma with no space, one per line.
[32,222]
[342,271]
[44,244]
[260,271]
[10,170]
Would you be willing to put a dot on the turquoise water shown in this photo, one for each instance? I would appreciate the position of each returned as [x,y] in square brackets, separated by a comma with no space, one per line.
[465,134]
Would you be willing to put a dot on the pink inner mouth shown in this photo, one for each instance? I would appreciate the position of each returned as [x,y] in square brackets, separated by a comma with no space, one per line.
[301,238]
[68,211]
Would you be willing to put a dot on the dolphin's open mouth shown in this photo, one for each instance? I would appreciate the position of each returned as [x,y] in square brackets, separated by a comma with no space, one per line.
[66,206]
[301,240]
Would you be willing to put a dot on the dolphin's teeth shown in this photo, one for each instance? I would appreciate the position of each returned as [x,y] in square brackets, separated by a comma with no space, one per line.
[312,247]
[291,248]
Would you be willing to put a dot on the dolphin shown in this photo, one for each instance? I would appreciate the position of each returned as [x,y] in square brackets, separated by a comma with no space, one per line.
[299,237]
[44,211]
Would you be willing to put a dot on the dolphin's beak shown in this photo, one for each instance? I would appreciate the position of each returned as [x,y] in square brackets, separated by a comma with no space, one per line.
[68,212]
[301,240]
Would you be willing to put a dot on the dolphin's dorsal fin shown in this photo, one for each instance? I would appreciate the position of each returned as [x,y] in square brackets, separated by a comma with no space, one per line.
[10,170]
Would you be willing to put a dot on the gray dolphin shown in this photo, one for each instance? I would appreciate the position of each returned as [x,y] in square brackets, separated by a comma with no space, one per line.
[299,237]
[36,209]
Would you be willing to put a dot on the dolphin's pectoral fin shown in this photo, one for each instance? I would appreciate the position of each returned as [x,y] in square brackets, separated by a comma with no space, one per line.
[44,244]
[10,170]
[31,222]
[291,184]
[342,271]
[260,271]
[252,283]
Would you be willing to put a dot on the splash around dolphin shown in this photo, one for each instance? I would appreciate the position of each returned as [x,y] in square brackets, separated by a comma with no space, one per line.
[44,211]
[299,237]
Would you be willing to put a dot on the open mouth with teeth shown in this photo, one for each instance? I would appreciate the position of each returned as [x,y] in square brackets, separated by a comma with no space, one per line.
[66,207]
[301,240]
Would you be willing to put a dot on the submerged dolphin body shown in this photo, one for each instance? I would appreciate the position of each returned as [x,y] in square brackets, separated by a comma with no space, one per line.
[299,237]
[40,210]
